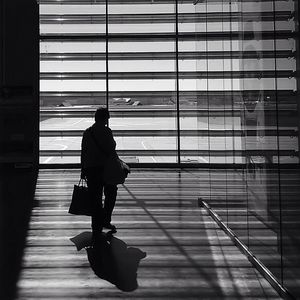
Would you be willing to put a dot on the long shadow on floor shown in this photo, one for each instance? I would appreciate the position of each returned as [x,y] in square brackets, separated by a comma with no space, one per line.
[111,259]
[17,188]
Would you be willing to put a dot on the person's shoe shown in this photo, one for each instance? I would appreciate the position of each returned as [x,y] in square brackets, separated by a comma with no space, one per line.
[110,227]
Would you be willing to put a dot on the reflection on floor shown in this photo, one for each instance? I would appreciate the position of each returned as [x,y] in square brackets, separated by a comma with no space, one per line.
[173,248]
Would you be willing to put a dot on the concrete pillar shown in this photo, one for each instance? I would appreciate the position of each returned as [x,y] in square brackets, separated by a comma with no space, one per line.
[297,27]
[19,82]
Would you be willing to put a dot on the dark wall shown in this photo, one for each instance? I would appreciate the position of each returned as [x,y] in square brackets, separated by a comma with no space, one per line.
[19,82]
[19,130]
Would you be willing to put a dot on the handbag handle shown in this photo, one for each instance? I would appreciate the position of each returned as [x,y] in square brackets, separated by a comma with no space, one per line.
[82,181]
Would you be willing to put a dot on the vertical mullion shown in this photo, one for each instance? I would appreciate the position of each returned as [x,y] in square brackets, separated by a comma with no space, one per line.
[297,41]
[244,124]
[3,44]
[278,140]
[207,85]
[106,54]
[177,87]
[231,83]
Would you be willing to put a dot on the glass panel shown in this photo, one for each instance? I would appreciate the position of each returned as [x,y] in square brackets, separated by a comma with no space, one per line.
[141,71]
[288,119]
[262,182]
[193,131]
[71,77]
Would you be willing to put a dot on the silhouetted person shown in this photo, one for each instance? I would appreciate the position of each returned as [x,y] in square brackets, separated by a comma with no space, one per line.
[97,145]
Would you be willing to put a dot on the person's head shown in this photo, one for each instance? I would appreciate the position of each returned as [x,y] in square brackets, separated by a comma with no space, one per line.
[102,115]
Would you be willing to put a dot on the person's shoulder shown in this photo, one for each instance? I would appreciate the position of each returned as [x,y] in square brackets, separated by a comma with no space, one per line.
[87,130]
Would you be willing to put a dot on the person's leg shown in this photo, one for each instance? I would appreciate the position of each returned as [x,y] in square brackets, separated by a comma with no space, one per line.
[95,192]
[110,192]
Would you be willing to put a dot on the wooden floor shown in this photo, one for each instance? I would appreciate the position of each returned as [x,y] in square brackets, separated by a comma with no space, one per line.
[166,246]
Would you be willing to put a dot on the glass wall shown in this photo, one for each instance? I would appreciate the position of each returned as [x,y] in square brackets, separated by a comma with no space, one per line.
[169,73]
[182,85]
[251,99]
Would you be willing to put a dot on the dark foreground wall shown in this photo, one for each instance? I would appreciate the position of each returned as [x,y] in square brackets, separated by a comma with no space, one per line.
[19,82]
[19,111]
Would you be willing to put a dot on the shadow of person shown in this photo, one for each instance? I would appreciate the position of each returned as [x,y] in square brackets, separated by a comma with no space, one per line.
[111,259]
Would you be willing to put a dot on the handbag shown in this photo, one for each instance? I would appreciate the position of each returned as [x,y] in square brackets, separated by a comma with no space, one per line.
[81,203]
[115,169]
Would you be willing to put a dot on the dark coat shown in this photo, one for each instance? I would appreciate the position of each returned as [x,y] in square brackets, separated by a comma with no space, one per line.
[91,155]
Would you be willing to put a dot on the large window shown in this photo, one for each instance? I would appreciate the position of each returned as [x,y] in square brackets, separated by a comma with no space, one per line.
[120,55]
[184,82]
